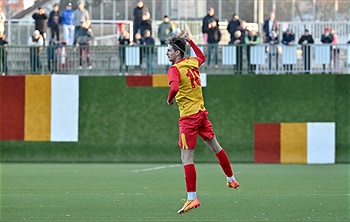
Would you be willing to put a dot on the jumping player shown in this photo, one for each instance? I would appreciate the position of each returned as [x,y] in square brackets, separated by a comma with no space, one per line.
[185,87]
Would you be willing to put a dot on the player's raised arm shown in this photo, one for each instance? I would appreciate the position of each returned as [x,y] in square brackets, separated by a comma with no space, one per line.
[199,54]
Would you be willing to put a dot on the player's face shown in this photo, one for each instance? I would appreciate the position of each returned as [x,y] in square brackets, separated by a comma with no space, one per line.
[172,55]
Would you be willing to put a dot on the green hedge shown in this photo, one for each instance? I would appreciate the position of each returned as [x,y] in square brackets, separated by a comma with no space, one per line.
[121,124]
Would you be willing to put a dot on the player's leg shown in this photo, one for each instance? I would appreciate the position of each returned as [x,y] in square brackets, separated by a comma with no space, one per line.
[223,161]
[190,179]
[187,142]
[207,133]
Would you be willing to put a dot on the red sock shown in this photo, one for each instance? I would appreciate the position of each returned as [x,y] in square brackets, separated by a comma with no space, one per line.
[190,177]
[224,163]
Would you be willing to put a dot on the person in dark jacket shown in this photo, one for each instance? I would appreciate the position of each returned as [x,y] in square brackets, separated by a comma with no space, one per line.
[83,37]
[327,38]
[288,38]
[40,17]
[214,37]
[148,41]
[54,21]
[146,23]
[139,11]
[233,26]
[3,53]
[52,58]
[238,40]
[270,25]
[305,40]
[205,23]
[165,30]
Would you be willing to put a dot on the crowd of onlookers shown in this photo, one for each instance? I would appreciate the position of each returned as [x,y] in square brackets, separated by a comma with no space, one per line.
[75,25]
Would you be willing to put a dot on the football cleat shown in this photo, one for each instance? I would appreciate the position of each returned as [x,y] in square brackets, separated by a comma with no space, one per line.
[234,184]
[189,205]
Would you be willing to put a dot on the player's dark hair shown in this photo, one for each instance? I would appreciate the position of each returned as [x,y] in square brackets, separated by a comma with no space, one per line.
[178,43]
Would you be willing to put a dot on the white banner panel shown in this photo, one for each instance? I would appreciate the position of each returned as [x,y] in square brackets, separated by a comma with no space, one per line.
[203,79]
[132,56]
[320,142]
[229,55]
[257,54]
[64,108]
[289,55]
[162,58]
[323,54]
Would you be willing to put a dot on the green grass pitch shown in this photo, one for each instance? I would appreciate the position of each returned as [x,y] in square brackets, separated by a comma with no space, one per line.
[153,192]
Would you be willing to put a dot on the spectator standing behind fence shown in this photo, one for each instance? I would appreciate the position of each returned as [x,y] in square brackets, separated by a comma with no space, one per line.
[52,55]
[273,50]
[68,24]
[3,53]
[123,41]
[238,40]
[146,23]
[36,43]
[2,21]
[83,37]
[148,41]
[335,52]
[165,30]
[326,38]
[233,26]
[270,25]
[288,39]
[139,11]
[214,37]
[305,41]
[205,25]
[137,41]
[80,14]
[54,21]
[251,40]
[40,17]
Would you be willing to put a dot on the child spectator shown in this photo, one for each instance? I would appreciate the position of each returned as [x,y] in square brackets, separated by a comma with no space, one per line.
[123,41]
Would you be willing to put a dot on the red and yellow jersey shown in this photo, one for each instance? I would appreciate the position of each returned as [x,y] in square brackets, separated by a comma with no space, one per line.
[189,97]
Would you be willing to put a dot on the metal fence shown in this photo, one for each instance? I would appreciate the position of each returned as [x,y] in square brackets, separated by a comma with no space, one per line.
[143,60]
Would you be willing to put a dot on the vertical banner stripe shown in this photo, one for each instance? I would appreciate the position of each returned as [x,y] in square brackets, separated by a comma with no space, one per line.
[64,108]
[37,108]
[321,143]
[12,108]
[160,81]
[267,143]
[293,142]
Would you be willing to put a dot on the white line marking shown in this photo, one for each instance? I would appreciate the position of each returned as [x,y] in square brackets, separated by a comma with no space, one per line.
[156,168]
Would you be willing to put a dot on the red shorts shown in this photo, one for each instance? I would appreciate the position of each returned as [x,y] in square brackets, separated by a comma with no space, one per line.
[191,126]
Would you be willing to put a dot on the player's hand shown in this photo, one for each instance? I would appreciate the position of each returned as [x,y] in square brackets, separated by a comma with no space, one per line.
[170,103]
[186,37]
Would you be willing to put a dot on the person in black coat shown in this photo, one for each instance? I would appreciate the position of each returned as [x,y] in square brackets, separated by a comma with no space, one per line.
[214,37]
[305,40]
[123,41]
[205,23]
[239,41]
[270,25]
[288,38]
[139,11]
[3,53]
[327,38]
[54,21]
[233,26]
[146,24]
[40,17]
